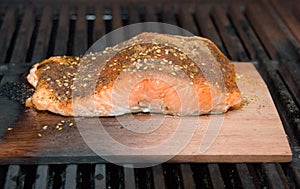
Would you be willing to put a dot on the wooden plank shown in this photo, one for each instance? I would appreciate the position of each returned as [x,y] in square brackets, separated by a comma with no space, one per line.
[247,134]
[80,39]
[215,176]
[12,177]
[71,175]
[187,176]
[23,38]
[245,178]
[42,174]
[7,29]
[232,43]
[62,34]
[158,177]
[100,176]
[43,38]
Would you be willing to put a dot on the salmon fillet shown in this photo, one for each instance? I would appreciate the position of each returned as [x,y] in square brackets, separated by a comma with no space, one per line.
[150,72]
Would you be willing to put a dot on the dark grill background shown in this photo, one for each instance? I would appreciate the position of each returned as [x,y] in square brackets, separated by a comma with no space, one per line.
[265,32]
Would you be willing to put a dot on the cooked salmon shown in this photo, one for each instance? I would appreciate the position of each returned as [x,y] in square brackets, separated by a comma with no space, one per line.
[150,72]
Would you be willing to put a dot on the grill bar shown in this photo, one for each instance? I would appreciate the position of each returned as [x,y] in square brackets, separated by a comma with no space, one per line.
[158,177]
[42,174]
[7,30]
[100,176]
[12,176]
[215,176]
[41,45]
[254,31]
[245,177]
[187,176]
[62,34]
[71,176]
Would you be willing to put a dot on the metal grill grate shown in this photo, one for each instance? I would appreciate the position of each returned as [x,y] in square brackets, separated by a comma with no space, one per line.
[266,32]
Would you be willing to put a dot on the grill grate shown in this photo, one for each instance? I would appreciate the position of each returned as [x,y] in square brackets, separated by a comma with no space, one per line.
[266,32]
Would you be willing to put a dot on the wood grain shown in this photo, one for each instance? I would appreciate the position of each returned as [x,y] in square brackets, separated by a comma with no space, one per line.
[253,133]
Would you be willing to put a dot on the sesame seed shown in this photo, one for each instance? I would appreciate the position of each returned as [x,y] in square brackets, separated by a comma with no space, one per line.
[39,135]
[191,83]
[10,128]
[93,58]
[173,73]
[104,87]
[158,50]
[71,124]
[48,79]
[66,84]
[145,68]
[192,76]
[45,127]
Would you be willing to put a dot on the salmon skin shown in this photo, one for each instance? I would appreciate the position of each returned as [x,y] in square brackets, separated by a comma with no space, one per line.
[151,72]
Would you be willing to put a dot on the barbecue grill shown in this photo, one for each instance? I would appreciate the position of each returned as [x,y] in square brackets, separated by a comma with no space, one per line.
[267,33]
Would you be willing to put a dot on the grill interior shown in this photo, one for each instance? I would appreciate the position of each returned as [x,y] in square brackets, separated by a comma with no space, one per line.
[265,32]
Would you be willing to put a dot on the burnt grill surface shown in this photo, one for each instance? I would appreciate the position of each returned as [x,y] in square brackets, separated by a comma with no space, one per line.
[265,32]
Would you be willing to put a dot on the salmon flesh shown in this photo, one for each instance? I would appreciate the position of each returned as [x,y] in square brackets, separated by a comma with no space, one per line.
[151,72]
